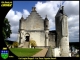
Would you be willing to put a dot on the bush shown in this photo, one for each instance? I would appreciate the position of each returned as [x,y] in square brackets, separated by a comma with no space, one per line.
[77,55]
[15,44]
[33,43]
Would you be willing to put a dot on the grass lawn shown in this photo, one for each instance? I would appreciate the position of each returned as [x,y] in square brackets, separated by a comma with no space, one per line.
[22,52]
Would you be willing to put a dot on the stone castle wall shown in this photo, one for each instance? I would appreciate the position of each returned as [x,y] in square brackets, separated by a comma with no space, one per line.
[33,22]
[52,40]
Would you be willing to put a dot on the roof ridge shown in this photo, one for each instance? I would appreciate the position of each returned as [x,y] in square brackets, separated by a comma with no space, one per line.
[28,15]
[39,15]
[36,13]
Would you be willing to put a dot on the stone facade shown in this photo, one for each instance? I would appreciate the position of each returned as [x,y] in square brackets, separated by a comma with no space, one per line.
[62,32]
[36,28]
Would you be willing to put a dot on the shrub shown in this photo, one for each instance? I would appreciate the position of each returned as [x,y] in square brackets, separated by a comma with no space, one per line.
[15,44]
[33,43]
[77,55]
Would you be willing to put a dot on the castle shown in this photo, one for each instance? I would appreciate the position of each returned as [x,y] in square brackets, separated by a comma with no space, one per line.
[36,28]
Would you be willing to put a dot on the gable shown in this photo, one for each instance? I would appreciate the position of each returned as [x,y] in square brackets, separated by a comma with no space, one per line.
[34,22]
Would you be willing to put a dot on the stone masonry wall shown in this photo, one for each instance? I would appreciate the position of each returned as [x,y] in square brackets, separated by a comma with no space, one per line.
[52,40]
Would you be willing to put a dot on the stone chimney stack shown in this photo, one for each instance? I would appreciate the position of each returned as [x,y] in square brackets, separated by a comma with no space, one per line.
[62,9]
[33,8]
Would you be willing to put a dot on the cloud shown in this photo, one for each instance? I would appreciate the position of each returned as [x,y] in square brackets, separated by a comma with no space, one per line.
[25,13]
[50,9]
[14,17]
[71,9]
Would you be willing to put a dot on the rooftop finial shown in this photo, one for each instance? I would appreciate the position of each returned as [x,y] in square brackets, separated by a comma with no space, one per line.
[62,7]
[33,8]
[46,16]
[60,3]
[22,17]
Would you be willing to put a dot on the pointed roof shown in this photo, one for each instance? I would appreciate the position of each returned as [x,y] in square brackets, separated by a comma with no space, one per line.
[34,12]
[46,18]
[61,11]
[22,17]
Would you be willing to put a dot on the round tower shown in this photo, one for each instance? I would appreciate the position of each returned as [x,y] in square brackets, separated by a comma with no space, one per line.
[46,28]
[46,23]
[62,32]
[58,25]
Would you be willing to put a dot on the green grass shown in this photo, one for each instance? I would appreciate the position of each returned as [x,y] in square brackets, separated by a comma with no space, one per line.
[77,55]
[22,52]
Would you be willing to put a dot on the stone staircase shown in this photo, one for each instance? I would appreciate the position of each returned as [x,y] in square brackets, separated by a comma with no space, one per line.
[24,45]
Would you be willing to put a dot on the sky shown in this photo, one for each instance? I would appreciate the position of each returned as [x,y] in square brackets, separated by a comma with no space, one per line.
[48,8]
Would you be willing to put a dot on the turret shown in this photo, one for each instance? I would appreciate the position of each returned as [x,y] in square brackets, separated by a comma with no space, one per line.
[46,23]
[62,32]
[60,16]
[46,28]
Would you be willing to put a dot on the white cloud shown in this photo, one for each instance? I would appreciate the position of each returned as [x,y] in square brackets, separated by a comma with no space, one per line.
[25,13]
[13,37]
[50,9]
[72,10]
[14,17]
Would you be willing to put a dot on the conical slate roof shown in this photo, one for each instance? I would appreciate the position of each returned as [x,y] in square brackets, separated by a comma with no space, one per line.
[46,18]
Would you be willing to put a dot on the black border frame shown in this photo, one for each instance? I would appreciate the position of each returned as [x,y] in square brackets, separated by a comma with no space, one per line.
[5,10]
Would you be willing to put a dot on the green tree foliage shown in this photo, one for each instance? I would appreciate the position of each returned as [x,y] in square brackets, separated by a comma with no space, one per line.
[6,29]
[15,44]
[33,43]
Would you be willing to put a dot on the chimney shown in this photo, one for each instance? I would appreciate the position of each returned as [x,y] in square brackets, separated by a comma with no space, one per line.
[33,8]
[46,16]
[62,8]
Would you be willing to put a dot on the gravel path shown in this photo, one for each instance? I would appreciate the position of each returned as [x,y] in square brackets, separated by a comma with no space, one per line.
[41,53]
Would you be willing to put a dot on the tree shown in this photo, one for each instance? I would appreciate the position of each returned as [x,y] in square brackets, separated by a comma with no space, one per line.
[33,43]
[6,31]
[15,44]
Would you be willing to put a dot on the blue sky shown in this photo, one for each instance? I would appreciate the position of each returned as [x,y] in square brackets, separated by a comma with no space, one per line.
[20,5]
[48,8]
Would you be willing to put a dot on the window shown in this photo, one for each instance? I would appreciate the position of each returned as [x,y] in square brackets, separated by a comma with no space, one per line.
[46,25]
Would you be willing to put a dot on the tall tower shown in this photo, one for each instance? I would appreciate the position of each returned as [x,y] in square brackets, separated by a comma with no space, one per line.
[62,32]
[46,28]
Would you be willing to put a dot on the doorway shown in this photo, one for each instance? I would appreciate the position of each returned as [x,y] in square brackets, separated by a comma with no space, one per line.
[27,38]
